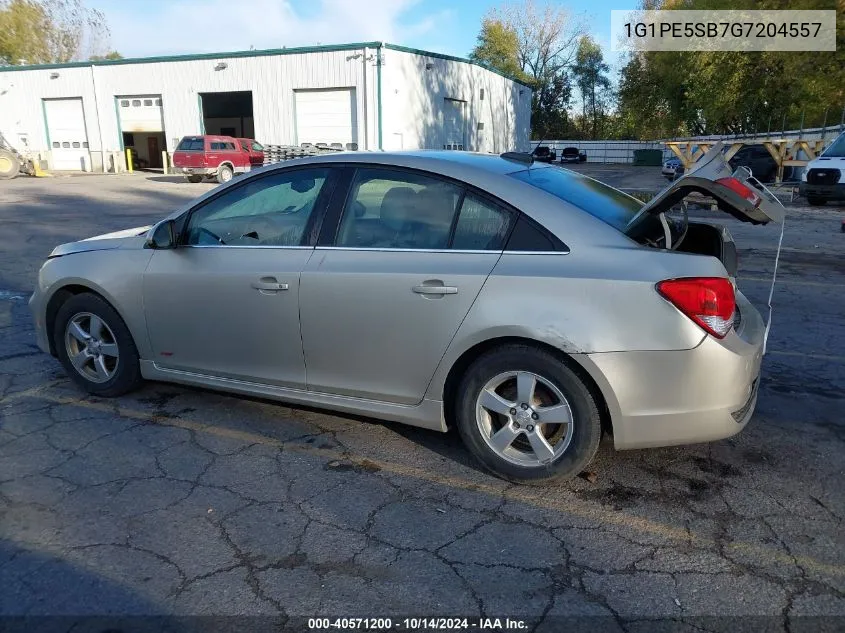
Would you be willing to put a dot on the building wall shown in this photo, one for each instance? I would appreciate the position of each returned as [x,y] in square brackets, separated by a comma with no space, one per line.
[412,97]
[415,87]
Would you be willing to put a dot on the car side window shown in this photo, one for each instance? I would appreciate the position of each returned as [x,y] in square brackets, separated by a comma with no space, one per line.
[398,209]
[482,225]
[269,211]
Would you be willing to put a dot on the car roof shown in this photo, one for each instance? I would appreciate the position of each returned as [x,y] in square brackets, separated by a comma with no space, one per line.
[460,164]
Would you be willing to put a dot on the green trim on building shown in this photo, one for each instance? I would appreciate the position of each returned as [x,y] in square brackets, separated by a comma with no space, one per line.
[261,53]
[186,58]
[119,128]
[199,110]
[452,58]
[46,125]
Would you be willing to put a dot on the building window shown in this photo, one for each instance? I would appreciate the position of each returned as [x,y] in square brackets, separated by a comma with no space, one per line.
[158,102]
[56,144]
[85,144]
[66,144]
[136,103]
[148,102]
[124,103]
[75,145]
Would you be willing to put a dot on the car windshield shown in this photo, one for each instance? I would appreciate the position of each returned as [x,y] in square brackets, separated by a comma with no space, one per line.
[610,205]
[836,149]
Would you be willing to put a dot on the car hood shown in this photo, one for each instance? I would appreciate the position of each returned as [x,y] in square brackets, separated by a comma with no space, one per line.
[128,238]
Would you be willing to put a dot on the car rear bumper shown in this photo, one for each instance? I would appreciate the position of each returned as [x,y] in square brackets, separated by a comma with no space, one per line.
[198,171]
[665,398]
[828,192]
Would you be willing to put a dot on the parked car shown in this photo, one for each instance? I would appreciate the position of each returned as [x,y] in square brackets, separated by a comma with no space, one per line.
[544,154]
[573,155]
[824,177]
[529,306]
[255,151]
[672,168]
[758,159]
[219,157]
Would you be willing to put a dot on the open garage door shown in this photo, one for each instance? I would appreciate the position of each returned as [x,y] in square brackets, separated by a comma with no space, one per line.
[142,126]
[228,113]
[326,116]
[67,134]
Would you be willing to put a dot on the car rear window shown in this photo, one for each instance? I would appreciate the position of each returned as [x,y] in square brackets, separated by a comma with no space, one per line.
[191,145]
[607,204]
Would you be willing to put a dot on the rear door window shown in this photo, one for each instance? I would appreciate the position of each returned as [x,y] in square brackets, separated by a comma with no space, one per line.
[191,145]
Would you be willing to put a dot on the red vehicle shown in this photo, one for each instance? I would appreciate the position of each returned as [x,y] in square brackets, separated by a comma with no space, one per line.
[254,149]
[219,157]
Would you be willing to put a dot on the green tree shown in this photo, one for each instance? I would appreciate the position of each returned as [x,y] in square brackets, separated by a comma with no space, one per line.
[590,73]
[107,57]
[539,41]
[45,31]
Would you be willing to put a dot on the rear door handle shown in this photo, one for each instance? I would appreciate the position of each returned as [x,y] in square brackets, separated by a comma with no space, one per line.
[435,290]
[269,284]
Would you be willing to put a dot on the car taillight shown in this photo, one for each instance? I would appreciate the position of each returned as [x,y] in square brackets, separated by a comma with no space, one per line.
[708,301]
[741,189]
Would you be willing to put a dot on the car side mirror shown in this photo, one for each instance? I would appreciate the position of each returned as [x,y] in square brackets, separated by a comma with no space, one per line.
[163,236]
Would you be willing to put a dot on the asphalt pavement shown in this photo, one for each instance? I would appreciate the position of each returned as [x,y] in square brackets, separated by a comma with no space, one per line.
[179,501]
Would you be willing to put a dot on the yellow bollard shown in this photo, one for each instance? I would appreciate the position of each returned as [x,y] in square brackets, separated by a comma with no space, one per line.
[129,160]
[164,162]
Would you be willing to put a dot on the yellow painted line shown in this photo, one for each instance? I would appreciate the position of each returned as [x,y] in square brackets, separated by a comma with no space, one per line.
[537,497]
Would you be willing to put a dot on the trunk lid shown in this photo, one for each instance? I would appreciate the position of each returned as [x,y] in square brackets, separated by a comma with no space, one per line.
[713,177]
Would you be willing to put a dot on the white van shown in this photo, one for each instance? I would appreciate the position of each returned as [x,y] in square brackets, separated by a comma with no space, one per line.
[824,177]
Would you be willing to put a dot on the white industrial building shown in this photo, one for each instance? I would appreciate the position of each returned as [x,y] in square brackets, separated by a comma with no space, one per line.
[82,116]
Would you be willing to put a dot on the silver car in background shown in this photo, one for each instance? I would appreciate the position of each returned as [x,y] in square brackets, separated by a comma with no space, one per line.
[528,306]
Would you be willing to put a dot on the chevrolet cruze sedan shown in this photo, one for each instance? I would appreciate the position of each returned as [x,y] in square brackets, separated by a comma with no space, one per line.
[528,306]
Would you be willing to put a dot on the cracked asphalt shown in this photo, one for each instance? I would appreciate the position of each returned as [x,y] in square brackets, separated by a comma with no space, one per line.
[179,501]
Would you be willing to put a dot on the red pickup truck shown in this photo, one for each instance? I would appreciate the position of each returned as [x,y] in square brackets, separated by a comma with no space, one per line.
[219,157]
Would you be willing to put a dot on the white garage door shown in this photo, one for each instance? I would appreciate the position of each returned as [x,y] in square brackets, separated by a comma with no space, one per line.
[66,130]
[140,113]
[326,116]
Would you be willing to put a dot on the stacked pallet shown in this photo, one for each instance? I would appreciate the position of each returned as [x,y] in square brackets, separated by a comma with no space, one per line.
[278,153]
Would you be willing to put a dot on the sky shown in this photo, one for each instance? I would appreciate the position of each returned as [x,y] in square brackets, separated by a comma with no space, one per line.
[142,28]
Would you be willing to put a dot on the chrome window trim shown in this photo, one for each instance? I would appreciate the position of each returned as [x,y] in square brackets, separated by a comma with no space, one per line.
[230,246]
[435,250]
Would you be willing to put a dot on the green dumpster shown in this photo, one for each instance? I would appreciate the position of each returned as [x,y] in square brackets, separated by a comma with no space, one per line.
[649,157]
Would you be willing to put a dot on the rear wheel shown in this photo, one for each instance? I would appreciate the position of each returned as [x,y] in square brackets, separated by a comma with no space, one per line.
[95,346]
[526,416]
[10,166]
[815,201]
[194,178]
[224,173]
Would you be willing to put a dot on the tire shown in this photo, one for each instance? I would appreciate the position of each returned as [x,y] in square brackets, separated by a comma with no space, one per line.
[118,374]
[10,166]
[572,445]
[224,174]
[194,178]
[816,201]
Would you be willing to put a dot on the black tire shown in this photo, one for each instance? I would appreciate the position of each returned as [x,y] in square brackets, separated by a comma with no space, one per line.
[194,178]
[127,370]
[10,166]
[586,432]
[224,174]
[815,201]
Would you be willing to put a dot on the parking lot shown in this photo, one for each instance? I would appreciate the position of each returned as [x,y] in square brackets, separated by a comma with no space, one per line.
[181,501]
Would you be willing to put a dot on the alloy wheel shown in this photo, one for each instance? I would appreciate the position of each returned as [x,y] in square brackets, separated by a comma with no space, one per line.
[91,347]
[524,418]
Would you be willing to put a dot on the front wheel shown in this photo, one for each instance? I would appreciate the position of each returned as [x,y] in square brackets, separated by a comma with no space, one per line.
[526,416]
[815,201]
[95,346]
[224,174]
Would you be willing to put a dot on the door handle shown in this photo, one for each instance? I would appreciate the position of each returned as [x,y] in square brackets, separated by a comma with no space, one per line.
[435,290]
[266,284]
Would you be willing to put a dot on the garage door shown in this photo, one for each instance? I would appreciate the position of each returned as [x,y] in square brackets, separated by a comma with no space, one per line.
[140,113]
[326,116]
[66,131]
[454,123]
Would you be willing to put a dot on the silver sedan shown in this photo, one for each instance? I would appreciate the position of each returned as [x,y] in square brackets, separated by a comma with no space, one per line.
[528,306]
